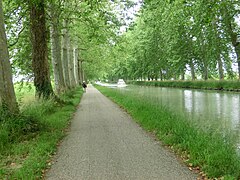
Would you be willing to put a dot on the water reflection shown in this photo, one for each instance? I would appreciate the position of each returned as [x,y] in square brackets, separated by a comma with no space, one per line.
[211,109]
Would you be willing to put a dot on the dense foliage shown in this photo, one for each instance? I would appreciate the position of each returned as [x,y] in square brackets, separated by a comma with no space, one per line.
[172,39]
[64,41]
[69,41]
[85,40]
[28,141]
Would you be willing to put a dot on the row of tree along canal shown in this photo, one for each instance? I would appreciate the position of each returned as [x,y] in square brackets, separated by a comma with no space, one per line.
[170,38]
[72,34]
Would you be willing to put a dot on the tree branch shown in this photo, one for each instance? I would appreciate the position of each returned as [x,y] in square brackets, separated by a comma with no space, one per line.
[17,38]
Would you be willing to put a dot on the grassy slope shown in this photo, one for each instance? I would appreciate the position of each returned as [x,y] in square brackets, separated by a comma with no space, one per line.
[27,142]
[210,84]
[200,150]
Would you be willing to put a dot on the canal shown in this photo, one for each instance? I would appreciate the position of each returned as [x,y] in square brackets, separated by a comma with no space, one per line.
[211,110]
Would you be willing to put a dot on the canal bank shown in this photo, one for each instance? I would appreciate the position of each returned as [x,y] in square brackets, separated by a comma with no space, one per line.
[210,151]
[223,85]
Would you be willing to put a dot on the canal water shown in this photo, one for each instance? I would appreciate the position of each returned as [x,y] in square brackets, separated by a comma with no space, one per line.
[217,111]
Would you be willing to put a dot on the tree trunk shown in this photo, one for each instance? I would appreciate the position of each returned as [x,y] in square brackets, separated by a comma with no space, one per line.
[40,63]
[237,50]
[235,44]
[56,50]
[84,76]
[218,49]
[229,22]
[71,66]
[220,68]
[192,70]
[65,55]
[161,75]
[205,71]
[76,69]
[183,76]
[176,77]
[7,94]
[80,71]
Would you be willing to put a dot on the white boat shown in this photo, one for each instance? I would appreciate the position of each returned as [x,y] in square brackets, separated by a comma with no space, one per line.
[121,83]
[105,84]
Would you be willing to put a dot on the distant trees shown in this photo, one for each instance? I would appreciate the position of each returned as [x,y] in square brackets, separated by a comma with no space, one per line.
[170,37]
[73,35]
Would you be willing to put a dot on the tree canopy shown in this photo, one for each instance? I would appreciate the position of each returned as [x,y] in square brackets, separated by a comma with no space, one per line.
[71,41]
[170,39]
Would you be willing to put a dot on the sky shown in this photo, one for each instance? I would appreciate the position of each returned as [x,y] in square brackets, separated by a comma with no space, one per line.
[131,13]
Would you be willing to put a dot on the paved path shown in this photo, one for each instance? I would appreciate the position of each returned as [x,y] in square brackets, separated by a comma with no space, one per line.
[105,144]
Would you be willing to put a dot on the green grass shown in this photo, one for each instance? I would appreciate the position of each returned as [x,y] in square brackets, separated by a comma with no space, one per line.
[214,153]
[25,93]
[28,141]
[199,84]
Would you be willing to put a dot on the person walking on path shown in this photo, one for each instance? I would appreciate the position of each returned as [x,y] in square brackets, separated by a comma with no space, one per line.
[84,85]
[104,143]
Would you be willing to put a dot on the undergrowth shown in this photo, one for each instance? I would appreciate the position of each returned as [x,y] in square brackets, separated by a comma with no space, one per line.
[29,139]
[206,151]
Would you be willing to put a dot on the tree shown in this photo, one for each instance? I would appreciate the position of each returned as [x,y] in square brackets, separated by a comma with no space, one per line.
[65,53]
[18,33]
[172,36]
[229,12]
[40,63]
[71,65]
[55,22]
[7,94]
[76,66]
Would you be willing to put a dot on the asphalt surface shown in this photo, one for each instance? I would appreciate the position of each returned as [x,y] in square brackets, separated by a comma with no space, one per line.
[105,143]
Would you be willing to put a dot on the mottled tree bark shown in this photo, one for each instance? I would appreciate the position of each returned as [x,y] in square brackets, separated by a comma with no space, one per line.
[76,69]
[220,68]
[218,49]
[65,54]
[161,75]
[205,71]
[71,66]
[183,75]
[192,70]
[7,94]
[80,71]
[40,63]
[56,49]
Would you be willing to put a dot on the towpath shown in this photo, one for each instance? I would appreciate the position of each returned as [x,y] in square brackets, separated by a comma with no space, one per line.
[105,143]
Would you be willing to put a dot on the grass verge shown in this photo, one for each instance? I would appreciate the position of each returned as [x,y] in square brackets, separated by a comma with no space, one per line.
[210,84]
[209,153]
[27,142]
